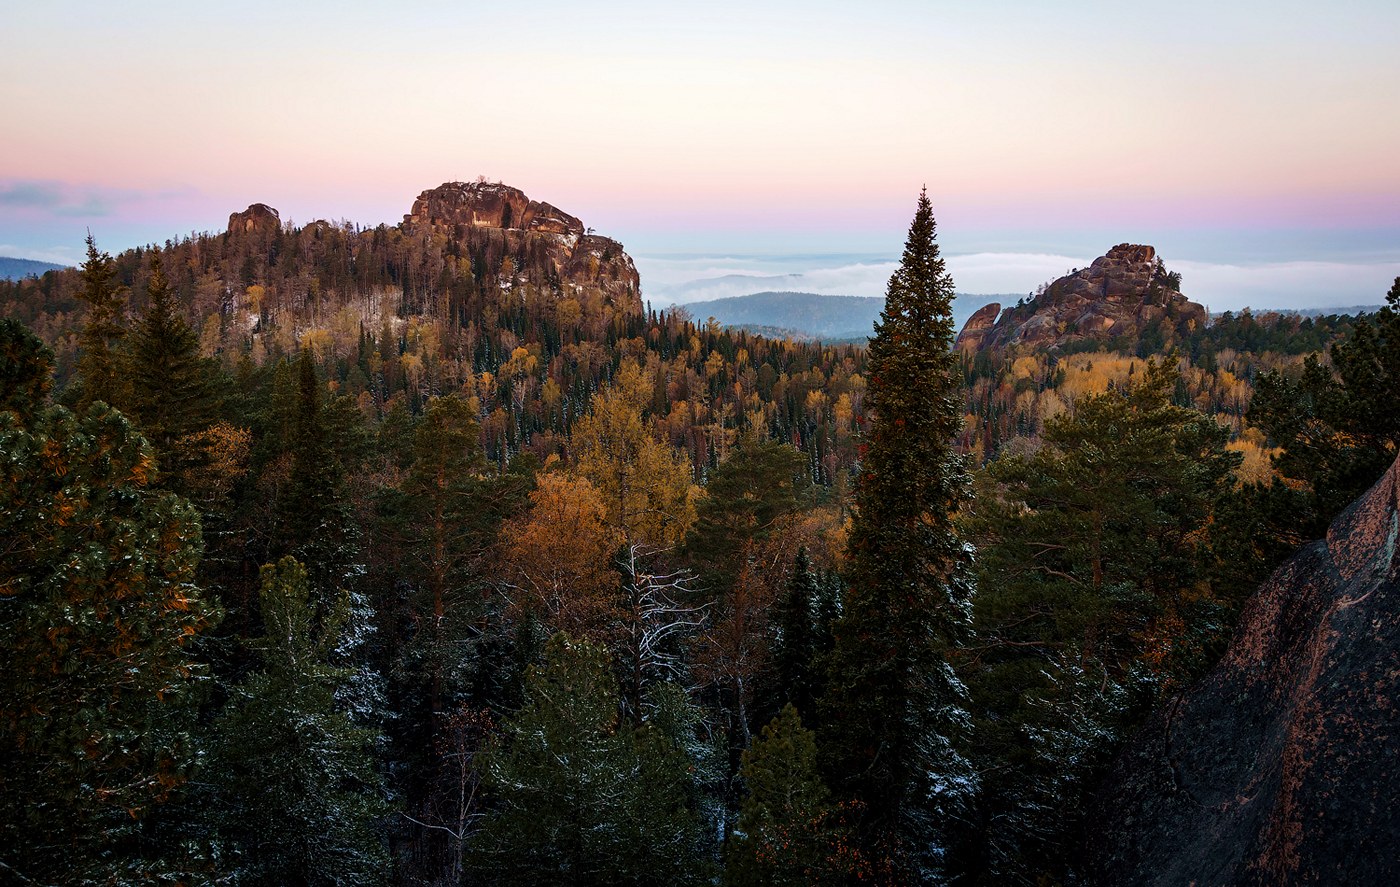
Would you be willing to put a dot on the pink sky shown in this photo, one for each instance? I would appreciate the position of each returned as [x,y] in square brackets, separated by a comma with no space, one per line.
[729,126]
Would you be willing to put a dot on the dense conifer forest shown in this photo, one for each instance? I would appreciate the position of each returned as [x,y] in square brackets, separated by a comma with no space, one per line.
[333,555]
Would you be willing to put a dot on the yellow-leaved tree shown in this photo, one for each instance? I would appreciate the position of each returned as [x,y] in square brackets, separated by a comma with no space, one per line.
[556,559]
[645,483]
[649,502]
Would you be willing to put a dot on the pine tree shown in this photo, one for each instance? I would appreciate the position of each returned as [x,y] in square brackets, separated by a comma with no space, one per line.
[893,706]
[99,358]
[579,795]
[795,650]
[319,529]
[171,396]
[789,832]
[98,611]
[439,518]
[745,500]
[297,797]
[26,371]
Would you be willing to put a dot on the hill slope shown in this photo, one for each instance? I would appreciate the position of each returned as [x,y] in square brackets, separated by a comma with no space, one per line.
[812,314]
[17,269]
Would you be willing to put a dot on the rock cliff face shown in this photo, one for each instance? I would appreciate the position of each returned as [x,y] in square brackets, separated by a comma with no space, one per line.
[257,219]
[1281,766]
[1126,293]
[974,332]
[494,222]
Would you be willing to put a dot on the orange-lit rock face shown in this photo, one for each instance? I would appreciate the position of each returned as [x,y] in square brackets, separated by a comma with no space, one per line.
[974,332]
[1122,294]
[492,222]
[489,205]
[256,219]
[1279,767]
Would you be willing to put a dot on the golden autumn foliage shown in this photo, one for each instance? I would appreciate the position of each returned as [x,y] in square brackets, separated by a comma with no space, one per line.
[645,484]
[221,452]
[556,558]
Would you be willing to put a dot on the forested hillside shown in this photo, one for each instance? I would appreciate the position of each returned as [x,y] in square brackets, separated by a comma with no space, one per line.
[427,554]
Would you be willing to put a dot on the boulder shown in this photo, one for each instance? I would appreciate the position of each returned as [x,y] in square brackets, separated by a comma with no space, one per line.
[1280,766]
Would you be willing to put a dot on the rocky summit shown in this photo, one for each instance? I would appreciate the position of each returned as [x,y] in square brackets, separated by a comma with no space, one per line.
[257,219]
[1279,767]
[1125,296]
[509,238]
[494,222]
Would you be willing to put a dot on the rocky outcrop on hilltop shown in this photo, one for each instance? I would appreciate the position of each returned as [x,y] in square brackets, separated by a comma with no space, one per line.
[258,219]
[492,222]
[1126,295]
[509,240]
[1280,767]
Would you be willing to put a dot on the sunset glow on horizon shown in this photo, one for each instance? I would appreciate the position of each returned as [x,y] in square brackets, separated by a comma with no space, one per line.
[731,126]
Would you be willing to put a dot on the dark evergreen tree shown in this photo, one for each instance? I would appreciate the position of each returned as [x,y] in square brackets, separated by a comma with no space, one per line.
[98,611]
[26,371]
[1097,594]
[582,797]
[789,831]
[441,493]
[171,396]
[893,707]
[319,528]
[795,648]
[296,795]
[99,359]
[441,523]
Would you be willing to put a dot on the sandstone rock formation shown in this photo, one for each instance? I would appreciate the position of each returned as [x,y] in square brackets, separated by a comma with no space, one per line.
[1124,295]
[974,332]
[1283,765]
[510,240]
[494,222]
[258,219]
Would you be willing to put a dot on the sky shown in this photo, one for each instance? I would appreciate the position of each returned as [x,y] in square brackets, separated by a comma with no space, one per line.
[1254,144]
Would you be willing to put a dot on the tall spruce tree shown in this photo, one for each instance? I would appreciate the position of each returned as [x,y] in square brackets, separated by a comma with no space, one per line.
[297,798]
[171,396]
[99,359]
[893,705]
[796,647]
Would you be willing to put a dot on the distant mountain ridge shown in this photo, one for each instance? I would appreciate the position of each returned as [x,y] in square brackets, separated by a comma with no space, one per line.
[1340,311]
[830,318]
[18,269]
